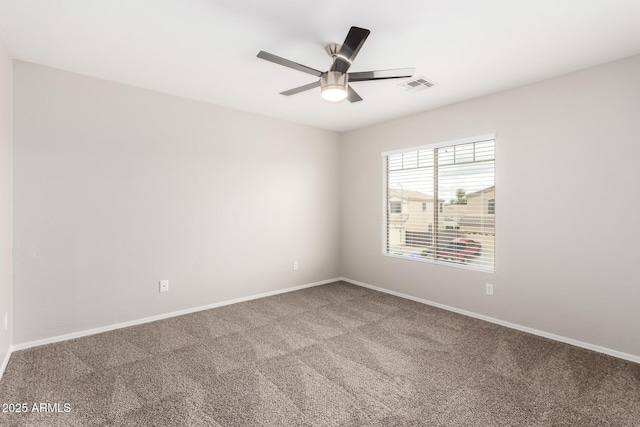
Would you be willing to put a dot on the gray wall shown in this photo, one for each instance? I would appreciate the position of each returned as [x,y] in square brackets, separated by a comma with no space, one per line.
[568,199]
[118,187]
[5,198]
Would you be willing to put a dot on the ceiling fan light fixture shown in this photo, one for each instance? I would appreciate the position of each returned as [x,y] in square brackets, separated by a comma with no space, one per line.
[333,86]
[334,94]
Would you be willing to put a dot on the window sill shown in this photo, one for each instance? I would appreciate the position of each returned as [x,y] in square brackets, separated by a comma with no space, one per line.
[460,265]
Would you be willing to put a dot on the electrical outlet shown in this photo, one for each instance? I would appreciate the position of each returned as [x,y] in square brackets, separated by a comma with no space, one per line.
[164,286]
[489,289]
[296,265]
[6,321]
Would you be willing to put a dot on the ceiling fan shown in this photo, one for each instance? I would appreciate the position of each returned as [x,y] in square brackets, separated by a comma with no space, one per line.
[334,84]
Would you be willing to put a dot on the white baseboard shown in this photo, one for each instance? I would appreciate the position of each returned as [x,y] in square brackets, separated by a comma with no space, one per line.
[599,349]
[571,341]
[107,328]
[5,362]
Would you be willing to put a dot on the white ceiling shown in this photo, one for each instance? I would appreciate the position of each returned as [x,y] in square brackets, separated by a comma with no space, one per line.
[206,49]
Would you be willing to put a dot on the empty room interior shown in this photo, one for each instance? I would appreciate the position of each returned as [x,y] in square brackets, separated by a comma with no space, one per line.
[243,213]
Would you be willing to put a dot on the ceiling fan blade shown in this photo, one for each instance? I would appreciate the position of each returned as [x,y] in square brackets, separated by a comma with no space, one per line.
[350,48]
[352,95]
[300,89]
[381,74]
[285,62]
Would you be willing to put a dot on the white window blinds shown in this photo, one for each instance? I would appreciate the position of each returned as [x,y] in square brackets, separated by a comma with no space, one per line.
[440,203]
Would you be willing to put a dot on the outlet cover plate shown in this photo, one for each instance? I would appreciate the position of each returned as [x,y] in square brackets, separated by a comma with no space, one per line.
[489,289]
[164,286]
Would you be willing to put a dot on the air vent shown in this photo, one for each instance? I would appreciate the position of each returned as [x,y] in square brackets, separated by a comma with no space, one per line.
[417,84]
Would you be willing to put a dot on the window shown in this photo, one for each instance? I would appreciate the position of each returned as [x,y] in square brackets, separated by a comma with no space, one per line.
[491,207]
[446,192]
[395,207]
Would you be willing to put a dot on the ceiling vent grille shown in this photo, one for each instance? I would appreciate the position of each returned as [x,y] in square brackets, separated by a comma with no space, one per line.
[417,84]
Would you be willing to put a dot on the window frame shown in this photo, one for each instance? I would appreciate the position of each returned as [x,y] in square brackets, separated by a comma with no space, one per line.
[385,218]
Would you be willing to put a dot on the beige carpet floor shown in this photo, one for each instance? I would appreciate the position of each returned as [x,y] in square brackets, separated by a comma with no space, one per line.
[332,355]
